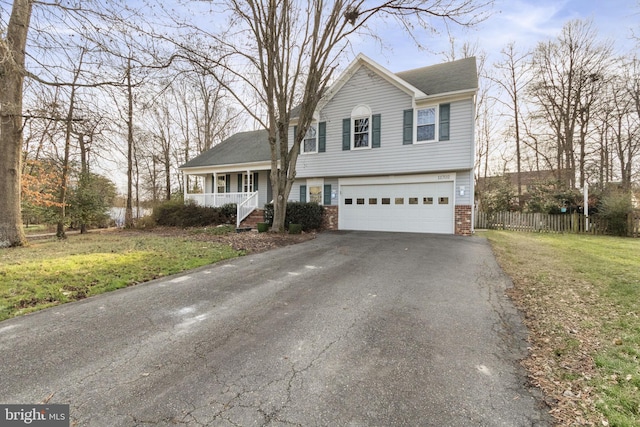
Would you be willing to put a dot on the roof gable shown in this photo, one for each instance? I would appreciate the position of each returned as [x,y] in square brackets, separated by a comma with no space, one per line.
[424,82]
[363,61]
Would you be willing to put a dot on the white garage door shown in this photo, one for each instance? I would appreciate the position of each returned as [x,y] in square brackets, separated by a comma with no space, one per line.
[412,207]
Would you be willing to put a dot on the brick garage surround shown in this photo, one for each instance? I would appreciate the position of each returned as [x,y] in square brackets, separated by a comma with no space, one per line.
[330,218]
[463,220]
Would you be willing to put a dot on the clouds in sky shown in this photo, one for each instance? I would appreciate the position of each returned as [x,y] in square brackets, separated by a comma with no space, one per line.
[525,22]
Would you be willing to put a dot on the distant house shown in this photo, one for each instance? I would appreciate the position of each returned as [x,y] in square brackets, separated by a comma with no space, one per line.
[528,180]
[387,152]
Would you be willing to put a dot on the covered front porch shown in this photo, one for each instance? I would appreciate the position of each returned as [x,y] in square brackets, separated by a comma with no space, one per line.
[248,189]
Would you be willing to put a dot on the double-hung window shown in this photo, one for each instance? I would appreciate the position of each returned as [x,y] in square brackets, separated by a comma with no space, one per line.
[426,124]
[361,127]
[310,142]
[361,132]
[315,140]
[222,184]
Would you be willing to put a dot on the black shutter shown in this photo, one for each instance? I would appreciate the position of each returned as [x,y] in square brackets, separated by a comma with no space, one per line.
[322,137]
[444,121]
[346,134]
[375,131]
[303,193]
[327,194]
[239,183]
[255,181]
[407,127]
[227,183]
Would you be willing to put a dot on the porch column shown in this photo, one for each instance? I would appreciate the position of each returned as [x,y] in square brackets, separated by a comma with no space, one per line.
[215,183]
[249,183]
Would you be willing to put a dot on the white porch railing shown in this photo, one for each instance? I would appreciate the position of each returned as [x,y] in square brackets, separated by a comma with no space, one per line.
[215,200]
[245,202]
[246,207]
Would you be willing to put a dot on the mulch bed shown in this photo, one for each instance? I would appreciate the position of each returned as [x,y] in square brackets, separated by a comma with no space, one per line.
[248,241]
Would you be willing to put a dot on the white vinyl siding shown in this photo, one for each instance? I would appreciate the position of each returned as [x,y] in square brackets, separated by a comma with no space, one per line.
[295,189]
[392,157]
[464,179]
[334,187]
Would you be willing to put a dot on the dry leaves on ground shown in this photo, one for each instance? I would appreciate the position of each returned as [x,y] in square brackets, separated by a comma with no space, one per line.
[247,241]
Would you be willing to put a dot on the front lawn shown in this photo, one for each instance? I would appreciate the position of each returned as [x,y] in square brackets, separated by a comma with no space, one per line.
[53,272]
[580,296]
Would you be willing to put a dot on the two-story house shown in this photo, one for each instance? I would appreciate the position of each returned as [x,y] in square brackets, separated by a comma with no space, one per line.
[387,152]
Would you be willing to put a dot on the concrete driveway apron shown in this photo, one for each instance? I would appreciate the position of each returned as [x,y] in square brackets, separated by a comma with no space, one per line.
[352,328]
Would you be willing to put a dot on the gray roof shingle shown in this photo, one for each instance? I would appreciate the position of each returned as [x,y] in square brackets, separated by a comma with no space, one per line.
[243,147]
[442,78]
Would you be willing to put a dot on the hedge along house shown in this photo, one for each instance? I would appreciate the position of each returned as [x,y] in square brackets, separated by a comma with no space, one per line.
[387,152]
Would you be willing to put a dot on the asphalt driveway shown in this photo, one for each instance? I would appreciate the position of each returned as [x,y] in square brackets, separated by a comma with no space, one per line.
[352,328]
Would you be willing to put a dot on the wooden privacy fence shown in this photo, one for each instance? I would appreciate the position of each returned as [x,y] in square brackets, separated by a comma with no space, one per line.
[546,223]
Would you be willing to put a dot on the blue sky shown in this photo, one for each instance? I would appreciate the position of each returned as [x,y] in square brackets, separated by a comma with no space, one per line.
[526,22]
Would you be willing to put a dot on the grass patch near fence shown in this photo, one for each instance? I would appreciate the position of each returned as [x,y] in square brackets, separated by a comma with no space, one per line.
[48,273]
[580,296]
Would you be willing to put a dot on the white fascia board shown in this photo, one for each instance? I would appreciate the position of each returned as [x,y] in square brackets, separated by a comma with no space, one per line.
[360,61]
[237,167]
[445,97]
[399,179]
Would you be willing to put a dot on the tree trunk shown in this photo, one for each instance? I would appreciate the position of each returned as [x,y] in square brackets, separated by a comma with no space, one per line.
[128,213]
[12,58]
[60,234]
[167,175]
[84,172]
[279,213]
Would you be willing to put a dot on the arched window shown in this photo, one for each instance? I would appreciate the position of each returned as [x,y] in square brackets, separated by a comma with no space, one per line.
[361,127]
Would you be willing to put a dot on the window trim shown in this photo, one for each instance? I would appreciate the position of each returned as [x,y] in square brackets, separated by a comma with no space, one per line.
[223,178]
[247,182]
[436,130]
[358,113]
[442,130]
[317,128]
[315,183]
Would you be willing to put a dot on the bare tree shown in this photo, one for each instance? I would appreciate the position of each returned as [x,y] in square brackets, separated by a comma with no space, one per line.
[284,55]
[625,126]
[566,73]
[69,119]
[513,77]
[12,72]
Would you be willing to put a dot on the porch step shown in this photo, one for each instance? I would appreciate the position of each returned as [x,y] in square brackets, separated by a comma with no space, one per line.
[253,219]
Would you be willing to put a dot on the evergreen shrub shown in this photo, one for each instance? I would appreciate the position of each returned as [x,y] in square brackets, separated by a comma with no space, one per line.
[308,215]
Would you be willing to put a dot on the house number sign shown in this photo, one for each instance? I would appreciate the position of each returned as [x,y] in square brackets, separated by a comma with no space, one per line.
[444,177]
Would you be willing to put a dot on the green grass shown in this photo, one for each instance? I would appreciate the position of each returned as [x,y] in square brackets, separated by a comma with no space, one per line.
[38,229]
[591,283]
[49,273]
